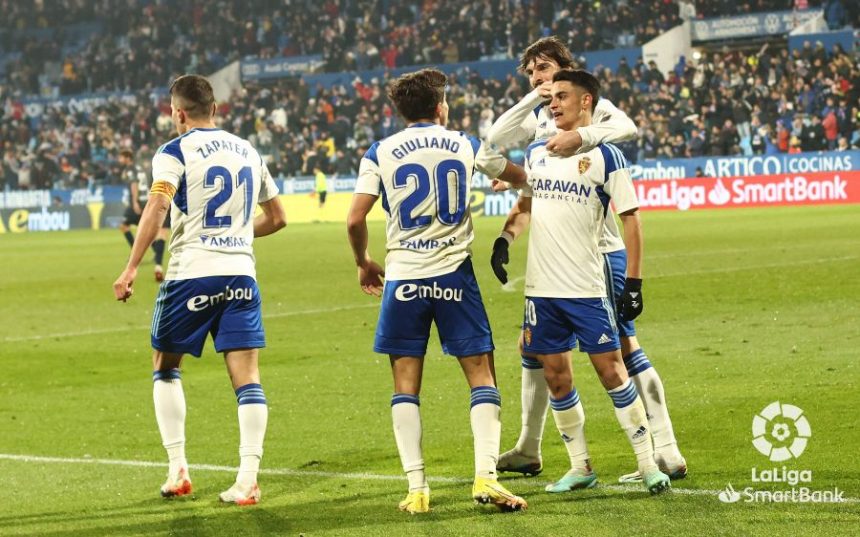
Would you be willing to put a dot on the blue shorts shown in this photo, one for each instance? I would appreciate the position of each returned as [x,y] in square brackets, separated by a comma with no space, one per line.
[228,307]
[615,267]
[553,325]
[453,300]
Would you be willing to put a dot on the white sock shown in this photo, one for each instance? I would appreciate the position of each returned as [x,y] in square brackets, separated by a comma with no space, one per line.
[650,388]
[169,400]
[570,420]
[486,429]
[535,400]
[406,417]
[253,418]
[631,415]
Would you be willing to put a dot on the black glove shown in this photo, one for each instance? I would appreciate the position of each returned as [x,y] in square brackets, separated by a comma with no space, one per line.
[630,303]
[500,258]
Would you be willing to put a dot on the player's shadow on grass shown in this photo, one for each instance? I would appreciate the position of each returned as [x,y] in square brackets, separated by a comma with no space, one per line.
[204,516]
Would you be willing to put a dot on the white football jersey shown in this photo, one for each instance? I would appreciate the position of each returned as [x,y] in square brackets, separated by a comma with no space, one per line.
[570,205]
[219,180]
[424,175]
[609,124]
[610,239]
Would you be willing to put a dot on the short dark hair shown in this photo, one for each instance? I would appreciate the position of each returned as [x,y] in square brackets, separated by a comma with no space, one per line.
[194,95]
[416,95]
[583,79]
[550,47]
[127,153]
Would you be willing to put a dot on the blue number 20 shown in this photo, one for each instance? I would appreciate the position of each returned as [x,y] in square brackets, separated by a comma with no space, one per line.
[211,180]
[443,195]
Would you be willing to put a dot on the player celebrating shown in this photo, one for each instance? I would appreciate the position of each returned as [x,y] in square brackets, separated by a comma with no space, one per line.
[215,180]
[423,175]
[138,194]
[571,198]
[531,119]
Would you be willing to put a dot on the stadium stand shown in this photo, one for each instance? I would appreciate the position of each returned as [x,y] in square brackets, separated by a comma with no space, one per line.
[726,102]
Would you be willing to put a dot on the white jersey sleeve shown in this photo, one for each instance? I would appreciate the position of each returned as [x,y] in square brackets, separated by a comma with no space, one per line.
[268,187]
[489,161]
[168,165]
[369,180]
[617,182]
[517,124]
[608,124]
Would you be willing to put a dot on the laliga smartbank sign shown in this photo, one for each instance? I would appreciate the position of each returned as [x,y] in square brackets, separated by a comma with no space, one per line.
[822,188]
[781,433]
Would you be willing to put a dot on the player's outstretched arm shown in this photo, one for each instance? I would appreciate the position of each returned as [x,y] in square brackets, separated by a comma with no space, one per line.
[517,221]
[150,223]
[609,125]
[518,123]
[272,219]
[630,305]
[370,274]
[513,175]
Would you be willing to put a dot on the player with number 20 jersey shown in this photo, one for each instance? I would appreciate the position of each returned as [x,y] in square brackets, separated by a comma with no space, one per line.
[422,175]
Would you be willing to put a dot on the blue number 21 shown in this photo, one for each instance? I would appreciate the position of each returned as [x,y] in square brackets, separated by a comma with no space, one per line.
[220,176]
[419,173]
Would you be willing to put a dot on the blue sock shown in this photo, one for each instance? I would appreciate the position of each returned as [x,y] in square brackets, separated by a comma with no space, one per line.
[568,401]
[167,374]
[624,395]
[486,394]
[398,398]
[636,362]
[250,394]
[531,363]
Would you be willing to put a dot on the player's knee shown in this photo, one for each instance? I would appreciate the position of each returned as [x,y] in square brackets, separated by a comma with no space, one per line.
[611,377]
[559,381]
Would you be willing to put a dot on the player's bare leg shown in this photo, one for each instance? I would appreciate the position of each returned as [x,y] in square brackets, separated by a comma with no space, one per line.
[487,430]
[650,388]
[525,457]
[242,366]
[570,420]
[406,418]
[169,400]
[630,412]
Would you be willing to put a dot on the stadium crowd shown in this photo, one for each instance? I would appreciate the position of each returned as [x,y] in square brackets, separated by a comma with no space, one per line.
[723,104]
[132,45]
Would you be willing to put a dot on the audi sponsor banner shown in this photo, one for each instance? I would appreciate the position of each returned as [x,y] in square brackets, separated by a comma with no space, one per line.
[280,67]
[754,191]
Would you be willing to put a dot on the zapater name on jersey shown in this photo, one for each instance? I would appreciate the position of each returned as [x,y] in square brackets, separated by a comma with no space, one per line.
[423,175]
[570,203]
[219,180]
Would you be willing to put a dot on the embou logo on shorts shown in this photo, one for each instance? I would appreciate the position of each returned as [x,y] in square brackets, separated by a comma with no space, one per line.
[201,302]
[411,291]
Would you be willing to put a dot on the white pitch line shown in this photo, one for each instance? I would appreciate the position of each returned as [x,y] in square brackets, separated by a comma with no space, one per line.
[117,329]
[316,473]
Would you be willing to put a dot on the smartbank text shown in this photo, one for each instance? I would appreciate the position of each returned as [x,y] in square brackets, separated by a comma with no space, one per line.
[811,189]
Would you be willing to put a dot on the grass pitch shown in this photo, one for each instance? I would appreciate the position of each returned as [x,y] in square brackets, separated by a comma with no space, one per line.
[742,308]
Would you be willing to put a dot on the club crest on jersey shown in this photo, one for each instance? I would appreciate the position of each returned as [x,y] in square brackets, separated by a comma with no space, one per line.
[584,164]
[527,335]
